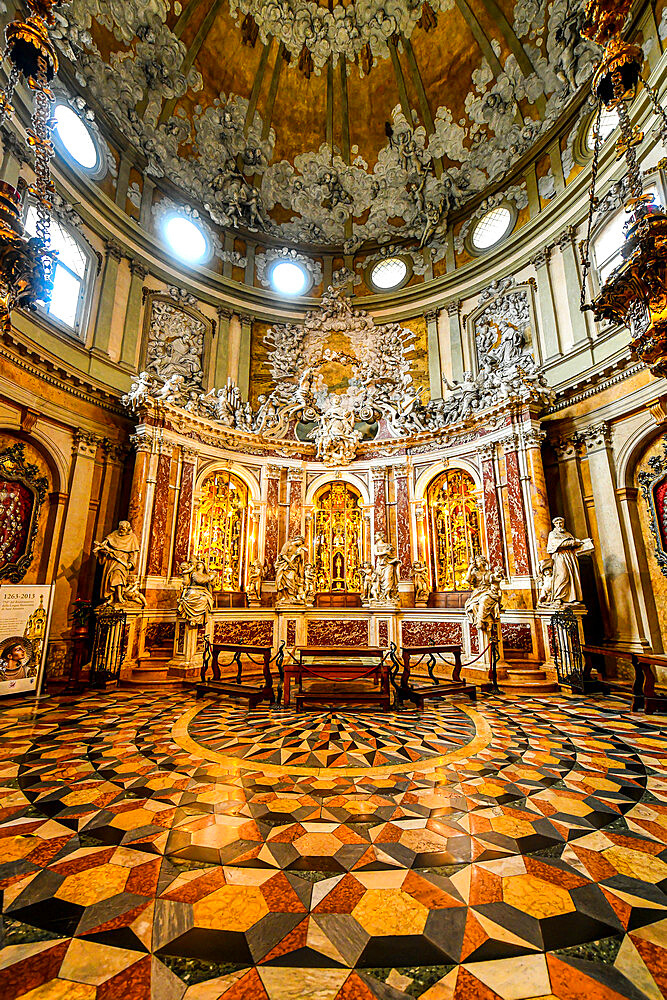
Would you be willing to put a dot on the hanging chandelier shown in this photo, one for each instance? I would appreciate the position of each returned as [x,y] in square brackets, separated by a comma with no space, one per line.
[26,266]
[635,293]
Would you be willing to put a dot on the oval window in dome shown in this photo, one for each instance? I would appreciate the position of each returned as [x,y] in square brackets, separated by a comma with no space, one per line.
[186,239]
[389,273]
[288,277]
[75,137]
[492,228]
[608,122]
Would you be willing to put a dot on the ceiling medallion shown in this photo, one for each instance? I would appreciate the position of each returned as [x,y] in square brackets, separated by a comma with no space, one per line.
[25,264]
[635,293]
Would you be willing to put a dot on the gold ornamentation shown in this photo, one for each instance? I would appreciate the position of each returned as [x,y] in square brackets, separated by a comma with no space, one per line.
[454,524]
[221,529]
[338,534]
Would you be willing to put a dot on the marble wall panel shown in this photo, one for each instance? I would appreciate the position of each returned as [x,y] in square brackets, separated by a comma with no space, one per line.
[403,526]
[383,633]
[159,634]
[517,514]
[295,506]
[421,633]
[290,639]
[248,633]
[492,521]
[184,517]
[344,632]
[379,506]
[517,637]
[160,514]
[475,647]
[271,537]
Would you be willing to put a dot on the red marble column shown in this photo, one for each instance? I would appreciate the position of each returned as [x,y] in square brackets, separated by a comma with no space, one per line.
[492,518]
[403,525]
[295,481]
[272,522]
[159,520]
[139,493]
[183,532]
[538,490]
[517,511]
[379,503]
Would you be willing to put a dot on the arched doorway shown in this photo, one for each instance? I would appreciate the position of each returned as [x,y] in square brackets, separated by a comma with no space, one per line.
[221,529]
[454,525]
[338,547]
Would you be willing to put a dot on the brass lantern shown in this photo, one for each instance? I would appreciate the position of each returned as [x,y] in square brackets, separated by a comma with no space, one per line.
[635,293]
[25,264]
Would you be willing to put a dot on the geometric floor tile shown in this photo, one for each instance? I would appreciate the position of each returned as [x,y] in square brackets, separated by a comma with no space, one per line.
[155,846]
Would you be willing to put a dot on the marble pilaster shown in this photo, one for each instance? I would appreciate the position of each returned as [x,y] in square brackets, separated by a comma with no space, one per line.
[455,339]
[107,298]
[403,547]
[379,502]
[434,365]
[545,295]
[492,515]
[272,480]
[222,348]
[184,508]
[132,325]
[538,515]
[516,509]
[295,501]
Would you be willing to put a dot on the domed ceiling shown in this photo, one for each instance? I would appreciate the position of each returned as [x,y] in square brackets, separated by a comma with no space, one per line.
[332,124]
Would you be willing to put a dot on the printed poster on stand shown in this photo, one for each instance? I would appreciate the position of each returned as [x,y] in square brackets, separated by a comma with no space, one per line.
[25,614]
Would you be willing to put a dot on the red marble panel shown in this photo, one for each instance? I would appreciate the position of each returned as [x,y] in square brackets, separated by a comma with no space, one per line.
[159,634]
[517,637]
[291,633]
[420,633]
[403,526]
[345,632]
[159,519]
[184,517]
[517,514]
[383,633]
[271,538]
[492,520]
[248,633]
[379,507]
[474,641]
[295,507]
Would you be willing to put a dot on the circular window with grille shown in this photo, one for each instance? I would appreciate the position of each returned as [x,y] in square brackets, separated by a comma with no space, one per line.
[492,228]
[608,122]
[392,272]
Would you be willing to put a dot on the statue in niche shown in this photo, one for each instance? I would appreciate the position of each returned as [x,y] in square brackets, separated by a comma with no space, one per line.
[118,553]
[485,602]
[545,584]
[195,602]
[290,571]
[385,577]
[564,550]
[421,582]
[256,574]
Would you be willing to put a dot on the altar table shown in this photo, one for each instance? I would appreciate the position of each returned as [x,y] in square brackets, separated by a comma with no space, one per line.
[339,665]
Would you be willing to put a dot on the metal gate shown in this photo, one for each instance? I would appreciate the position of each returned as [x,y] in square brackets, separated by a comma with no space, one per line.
[108,647]
[569,660]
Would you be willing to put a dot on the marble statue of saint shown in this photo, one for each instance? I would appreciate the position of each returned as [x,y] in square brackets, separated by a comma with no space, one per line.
[564,549]
[309,583]
[484,604]
[290,569]
[195,602]
[366,574]
[254,585]
[545,581]
[118,553]
[421,582]
[386,571]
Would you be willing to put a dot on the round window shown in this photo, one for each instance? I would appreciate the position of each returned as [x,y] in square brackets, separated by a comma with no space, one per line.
[288,277]
[75,137]
[389,273]
[492,228]
[186,239]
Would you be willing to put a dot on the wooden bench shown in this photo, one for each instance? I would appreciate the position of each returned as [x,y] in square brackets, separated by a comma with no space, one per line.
[339,665]
[438,687]
[236,688]
[642,690]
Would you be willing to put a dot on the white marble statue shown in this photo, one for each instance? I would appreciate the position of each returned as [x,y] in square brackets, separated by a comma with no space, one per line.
[256,574]
[385,577]
[421,581]
[484,604]
[564,550]
[335,434]
[195,602]
[366,573]
[290,571]
[118,553]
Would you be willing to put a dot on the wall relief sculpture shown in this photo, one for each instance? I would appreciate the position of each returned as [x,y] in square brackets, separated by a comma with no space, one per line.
[653,484]
[339,378]
[22,493]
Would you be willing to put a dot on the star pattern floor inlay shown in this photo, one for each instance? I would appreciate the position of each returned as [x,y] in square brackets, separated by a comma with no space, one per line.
[341,855]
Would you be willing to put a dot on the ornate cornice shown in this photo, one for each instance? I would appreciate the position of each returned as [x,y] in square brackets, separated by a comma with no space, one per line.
[113,250]
[453,308]
[534,437]
[138,268]
[142,441]
[567,448]
[85,443]
[541,259]
[596,436]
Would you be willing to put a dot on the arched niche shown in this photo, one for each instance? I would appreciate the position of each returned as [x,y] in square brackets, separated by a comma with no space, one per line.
[223,527]
[454,527]
[338,543]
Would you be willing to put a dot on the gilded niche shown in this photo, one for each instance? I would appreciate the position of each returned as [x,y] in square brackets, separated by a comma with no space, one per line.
[22,493]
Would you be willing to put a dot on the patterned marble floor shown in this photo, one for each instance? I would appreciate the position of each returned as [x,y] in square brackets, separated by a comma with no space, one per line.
[156,847]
